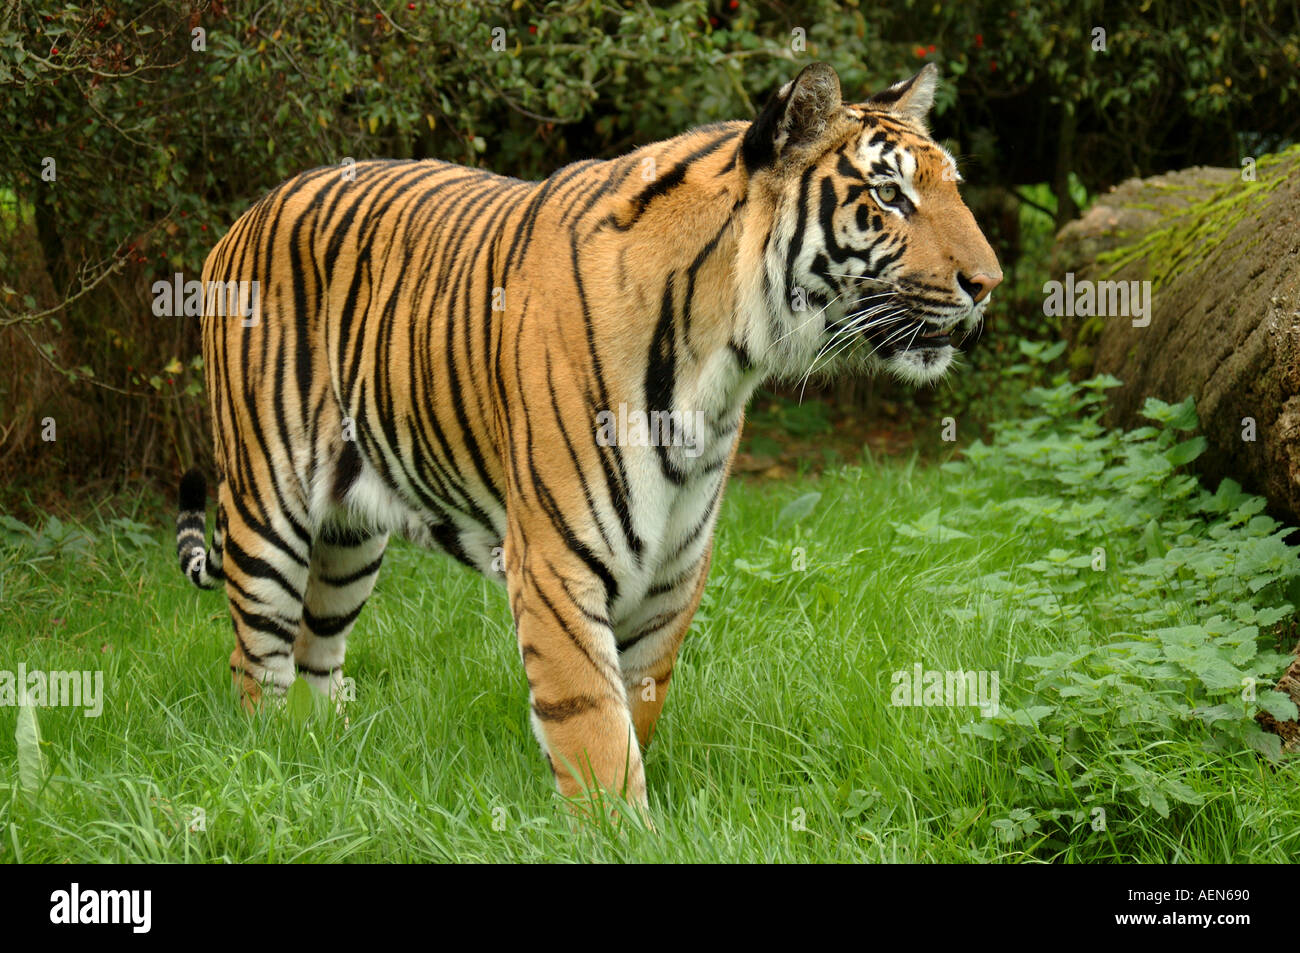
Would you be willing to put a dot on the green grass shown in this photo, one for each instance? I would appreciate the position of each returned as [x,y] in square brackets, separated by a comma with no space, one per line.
[779,740]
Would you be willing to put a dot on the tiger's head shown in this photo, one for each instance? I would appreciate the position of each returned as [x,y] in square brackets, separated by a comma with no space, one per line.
[870,259]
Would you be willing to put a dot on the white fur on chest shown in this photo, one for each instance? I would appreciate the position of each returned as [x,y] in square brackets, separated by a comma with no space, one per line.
[668,519]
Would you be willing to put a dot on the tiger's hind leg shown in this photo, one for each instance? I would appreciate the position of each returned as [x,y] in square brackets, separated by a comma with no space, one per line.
[344,567]
[265,562]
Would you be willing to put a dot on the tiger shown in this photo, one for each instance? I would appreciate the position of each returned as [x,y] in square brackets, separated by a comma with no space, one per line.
[435,351]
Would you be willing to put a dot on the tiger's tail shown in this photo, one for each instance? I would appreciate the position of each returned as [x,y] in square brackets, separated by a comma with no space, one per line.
[200,564]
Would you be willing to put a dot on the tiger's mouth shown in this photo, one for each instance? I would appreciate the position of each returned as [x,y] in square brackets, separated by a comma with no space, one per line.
[931,337]
[906,334]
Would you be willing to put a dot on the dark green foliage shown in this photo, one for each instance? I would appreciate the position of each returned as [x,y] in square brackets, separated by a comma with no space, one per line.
[158,146]
[1202,578]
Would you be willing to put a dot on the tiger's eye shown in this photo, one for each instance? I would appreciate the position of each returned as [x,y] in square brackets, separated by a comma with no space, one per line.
[886,193]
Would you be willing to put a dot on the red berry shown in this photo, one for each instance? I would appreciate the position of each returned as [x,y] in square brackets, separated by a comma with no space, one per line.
[54,51]
[410,6]
[734,4]
[930,48]
[532,28]
[920,52]
[379,16]
[979,40]
[993,66]
[713,21]
[203,228]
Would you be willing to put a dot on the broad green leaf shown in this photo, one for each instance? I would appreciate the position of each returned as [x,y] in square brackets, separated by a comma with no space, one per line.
[1278,705]
[827,595]
[798,508]
[1186,452]
[31,760]
[1265,742]
[298,701]
[1183,416]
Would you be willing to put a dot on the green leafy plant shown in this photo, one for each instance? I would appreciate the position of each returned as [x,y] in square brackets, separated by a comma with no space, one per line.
[1206,574]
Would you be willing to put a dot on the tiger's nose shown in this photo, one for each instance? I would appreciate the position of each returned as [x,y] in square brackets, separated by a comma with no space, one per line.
[979,286]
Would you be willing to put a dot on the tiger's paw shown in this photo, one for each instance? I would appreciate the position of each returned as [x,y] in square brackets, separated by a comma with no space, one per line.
[601,808]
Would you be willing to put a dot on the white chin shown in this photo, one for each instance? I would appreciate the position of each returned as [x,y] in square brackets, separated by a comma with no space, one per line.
[920,366]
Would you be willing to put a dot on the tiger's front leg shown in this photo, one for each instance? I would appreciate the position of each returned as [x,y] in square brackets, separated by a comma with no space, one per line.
[648,650]
[580,710]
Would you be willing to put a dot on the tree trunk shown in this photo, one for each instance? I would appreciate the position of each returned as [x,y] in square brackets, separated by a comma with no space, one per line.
[1066,210]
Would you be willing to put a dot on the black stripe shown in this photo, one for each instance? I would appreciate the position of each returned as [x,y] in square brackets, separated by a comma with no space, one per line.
[564,709]
[368,569]
[661,369]
[265,624]
[796,240]
[326,626]
[667,182]
[318,672]
[657,623]
[259,568]
[347,471]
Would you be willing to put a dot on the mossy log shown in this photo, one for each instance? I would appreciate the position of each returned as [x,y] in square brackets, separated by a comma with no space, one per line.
[1222,255]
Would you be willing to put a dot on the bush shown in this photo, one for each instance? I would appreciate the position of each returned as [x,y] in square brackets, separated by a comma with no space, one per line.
[1203,577]
[141,131]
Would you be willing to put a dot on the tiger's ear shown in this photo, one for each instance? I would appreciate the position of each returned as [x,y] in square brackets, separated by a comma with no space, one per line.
[911,98]
[797,115]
